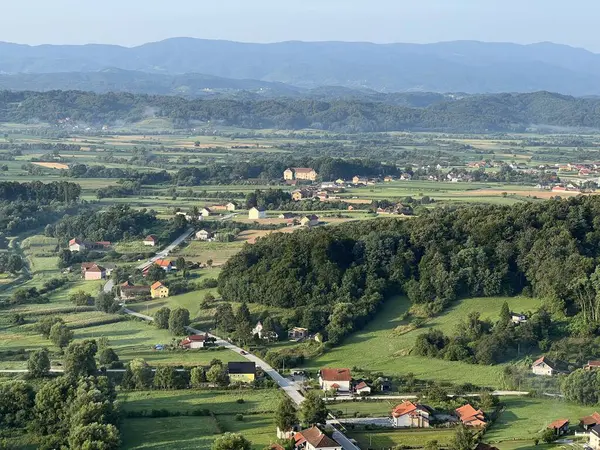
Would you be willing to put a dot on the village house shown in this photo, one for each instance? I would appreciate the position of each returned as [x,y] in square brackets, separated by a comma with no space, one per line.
[127,291]
[362,388]
[195,341]
[75,245]
[591,365]
[594,442]
[410,415]
[470,417]
[92,271]
[309,221]
[406,177]
[340,182]
[231,206]
[218,208]
[314,439]
[287,216]
[544,366]
[257,213]
[360,180]
[150,240]
[204,235]
[560,426]
[301,194]
[241,372]
[298,333]
[159,290]
[300,173]
[206,212]
[518,318]
[338,380]
[164,264]
[590,421]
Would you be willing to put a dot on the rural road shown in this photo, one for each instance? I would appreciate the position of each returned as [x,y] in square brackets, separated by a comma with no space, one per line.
[165,252]
[286,385]
[162,254]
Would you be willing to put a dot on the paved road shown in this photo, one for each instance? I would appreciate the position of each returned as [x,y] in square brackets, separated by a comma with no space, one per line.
[162,254]
[165,252]
[288,386]
[347,398]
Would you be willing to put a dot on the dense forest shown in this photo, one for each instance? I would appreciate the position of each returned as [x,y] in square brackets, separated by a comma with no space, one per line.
[337,278]
[496,112]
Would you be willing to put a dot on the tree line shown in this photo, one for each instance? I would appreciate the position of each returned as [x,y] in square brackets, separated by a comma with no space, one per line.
[494,112]
[335,279]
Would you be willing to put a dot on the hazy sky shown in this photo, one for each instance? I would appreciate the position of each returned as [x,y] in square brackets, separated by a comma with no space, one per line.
[132,22]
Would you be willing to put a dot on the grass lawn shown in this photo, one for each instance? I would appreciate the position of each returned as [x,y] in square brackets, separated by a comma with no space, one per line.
[217,401]
[201,252]
[394,438]
[523,418]
[192,433]
[369,408]
[383,345]
[171,433]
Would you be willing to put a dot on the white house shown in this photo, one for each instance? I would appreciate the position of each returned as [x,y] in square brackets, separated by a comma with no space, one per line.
[205,212]
[195,341]
[150,240]
[204,235]
[335,380]
[309,221]
[75,245]
[231,206]
[543,366]
[595,438]
[258,329]
[362,388]
[518,318]
[409,415]
[314,439]
[257,213]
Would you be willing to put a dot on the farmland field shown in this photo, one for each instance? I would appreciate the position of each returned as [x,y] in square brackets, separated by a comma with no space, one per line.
[387,334]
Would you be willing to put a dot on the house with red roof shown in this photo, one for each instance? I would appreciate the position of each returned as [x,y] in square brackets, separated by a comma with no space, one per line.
[75,245]
[410,415]
[335,380]
[544,366]
[92,271]
[195,341]
[314,439]
[470,417]
[362,388]
[590,421]
[592,365]
[164,264]
[560,426]
[150,240]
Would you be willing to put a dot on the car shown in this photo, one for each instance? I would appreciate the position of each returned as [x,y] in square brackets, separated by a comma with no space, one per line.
[243,352]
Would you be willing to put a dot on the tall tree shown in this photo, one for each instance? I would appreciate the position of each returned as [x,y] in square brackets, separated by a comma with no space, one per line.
[60,335]
[313,409]
[80,359]
[285,414]
[39,363]
[161,318]
[178,320]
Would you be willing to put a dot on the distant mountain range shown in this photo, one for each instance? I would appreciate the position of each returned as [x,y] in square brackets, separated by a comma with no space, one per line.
[461,66]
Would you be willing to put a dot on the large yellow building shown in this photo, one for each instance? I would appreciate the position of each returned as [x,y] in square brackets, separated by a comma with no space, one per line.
[241,372]
[159,290]
[300,173]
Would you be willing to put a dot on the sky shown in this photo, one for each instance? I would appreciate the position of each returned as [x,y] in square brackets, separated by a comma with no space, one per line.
[134,22]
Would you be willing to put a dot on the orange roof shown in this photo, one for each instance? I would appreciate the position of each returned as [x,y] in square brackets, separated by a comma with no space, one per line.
[150,237]
[593,363]
[315,437]
[545,360]
[559,423]
[361,385]
[163,262]
[593,419]
[336,374]
[157,285]
[403,408]
[470,416]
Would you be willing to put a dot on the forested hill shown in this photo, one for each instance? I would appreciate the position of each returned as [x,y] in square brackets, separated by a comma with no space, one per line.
[462,66]
[335,279]
[498,112]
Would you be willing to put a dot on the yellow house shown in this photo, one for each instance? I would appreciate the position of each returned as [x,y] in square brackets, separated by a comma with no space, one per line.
[288,174]
[241,372]
[159,290]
